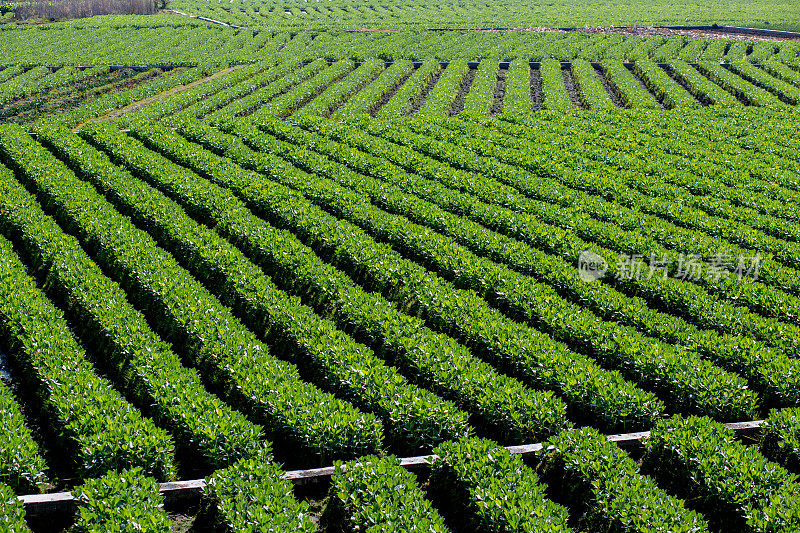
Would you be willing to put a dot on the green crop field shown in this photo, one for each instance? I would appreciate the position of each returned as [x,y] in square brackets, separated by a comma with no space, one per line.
[533,279]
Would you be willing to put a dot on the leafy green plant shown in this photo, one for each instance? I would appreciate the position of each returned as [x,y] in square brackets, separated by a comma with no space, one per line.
[251,496]
[376,494]
[492,490]
[124,502]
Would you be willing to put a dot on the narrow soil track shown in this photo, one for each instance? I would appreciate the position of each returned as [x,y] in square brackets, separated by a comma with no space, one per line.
[703,101]
[420,101]
[354,92]
[537,98]
[647,89]
[611,93]
[166,94]
[466,85]
[391,92]
[569,83]
[499,91]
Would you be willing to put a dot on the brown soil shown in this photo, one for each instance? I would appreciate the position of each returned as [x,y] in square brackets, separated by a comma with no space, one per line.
[652,31]
[647,89]
[420,101]
[466,85]
[355,91]
[391,92]
[537,98]
[166,94]
[607,86]
[499,91]
[569,83]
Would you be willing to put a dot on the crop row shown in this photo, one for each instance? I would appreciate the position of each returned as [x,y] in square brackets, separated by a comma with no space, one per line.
[532,356]
[288,102]
[150,373]
[144,87]
[524,259]
[435,360]
[274,83]
[187,315]
[440,100]
[415,419]
[401,101]
[659,231]
[766,371]
[67,388]
[332,97]
[367,100]
[161,109]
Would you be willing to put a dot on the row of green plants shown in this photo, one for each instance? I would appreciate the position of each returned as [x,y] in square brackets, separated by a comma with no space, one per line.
[377,494]
[401,101]
[668,230]
[367,99]
[504,341]
[529,354]
[96,427]
[524,297]
[234,93]
[742,89]
[144,85]
[517,99]
[288,102]
[761,78]
[622,222]
[453,177]
[253,495]
[554,92]
[161,109]
[441,98]
[433,360]
[332,97]
[144,366]
[22,468]
[605,490]
[489,489]
[597,180]
[732,484]
[766,368]
[627,87]
[262,90]
[593,95]
[415,419]
[120,502]
[782,71]
[186,314]
[12,511]
[667,90]
[481,95]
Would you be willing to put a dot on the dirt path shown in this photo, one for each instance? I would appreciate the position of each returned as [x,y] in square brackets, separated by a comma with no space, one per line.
[160,96]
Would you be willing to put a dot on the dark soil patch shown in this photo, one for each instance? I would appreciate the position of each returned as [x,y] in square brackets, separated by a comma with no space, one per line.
[355,91]
[607,86]
[466,84]
[537,98]
[391,92]
[703,101]
[644,86]
[319,91]
[569,83]
[420,101]
[499,91]
[736,94]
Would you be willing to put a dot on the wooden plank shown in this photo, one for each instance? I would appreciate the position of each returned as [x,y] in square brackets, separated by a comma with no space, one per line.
[190,491]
